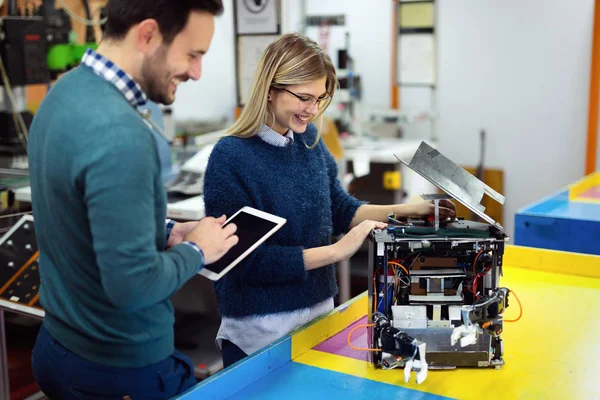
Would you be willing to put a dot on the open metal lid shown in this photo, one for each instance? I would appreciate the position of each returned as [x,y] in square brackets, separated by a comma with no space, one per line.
[453,180]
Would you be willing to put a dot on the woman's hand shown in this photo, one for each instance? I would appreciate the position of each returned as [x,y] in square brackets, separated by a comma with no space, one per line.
[351,242]
[427,208]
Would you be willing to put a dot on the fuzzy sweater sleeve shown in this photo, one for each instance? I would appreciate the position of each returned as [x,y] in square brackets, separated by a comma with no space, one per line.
[343,205]
[227,188]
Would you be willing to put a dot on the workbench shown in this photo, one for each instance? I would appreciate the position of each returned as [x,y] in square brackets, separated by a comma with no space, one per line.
[568,220]
[553,351]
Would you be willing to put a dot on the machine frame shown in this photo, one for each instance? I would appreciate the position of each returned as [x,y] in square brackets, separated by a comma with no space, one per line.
[443,311]
[435,299]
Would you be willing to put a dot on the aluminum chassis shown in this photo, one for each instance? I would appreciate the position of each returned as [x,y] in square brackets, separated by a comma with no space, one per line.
[440,353]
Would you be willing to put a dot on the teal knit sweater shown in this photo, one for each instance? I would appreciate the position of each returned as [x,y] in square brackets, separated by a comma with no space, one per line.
[99,207]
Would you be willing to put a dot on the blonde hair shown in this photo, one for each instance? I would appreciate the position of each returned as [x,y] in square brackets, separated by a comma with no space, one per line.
[290,60]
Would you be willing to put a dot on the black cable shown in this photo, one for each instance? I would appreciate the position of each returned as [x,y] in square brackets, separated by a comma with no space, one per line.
[46,8]
[90,37]
[103,16]
[12,7]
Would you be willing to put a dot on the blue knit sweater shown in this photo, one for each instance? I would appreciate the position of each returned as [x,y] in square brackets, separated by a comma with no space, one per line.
[296,183]
[99,206]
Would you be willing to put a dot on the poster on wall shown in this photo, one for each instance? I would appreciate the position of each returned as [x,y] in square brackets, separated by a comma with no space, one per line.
[250,51]
[416,59]
[256,17]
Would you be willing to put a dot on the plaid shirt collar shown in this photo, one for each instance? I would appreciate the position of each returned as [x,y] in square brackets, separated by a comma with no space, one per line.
[106,69]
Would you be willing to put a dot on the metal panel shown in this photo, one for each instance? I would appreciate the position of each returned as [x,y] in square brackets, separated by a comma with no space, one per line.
[453,180]
[441,353]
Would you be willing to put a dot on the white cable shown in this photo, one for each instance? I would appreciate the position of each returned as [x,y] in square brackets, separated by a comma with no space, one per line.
[77,18]
[152,125]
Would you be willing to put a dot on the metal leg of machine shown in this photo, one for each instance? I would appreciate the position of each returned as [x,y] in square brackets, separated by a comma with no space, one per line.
[4,383]
[344,271]
[344,283]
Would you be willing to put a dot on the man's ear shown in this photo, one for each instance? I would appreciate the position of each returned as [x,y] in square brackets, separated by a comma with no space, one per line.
[148,37]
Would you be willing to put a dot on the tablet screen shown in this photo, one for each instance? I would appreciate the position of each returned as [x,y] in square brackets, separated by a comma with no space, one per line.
[250,229]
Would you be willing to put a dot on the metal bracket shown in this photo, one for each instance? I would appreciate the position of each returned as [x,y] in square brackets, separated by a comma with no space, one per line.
[453,180]
[436,205]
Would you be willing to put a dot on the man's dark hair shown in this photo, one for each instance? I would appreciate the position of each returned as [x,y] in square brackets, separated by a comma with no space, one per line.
[171,15]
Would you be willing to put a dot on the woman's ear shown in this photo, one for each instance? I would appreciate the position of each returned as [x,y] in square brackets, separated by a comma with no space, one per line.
[269,96]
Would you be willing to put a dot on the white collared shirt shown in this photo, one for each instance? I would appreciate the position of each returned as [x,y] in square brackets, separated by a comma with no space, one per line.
[254,332]
[268,135]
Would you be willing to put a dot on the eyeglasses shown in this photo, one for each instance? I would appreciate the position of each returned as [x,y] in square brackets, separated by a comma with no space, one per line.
[309,101]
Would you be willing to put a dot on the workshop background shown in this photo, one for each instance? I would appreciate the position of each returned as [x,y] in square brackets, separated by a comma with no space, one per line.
[508,90]
[518,69]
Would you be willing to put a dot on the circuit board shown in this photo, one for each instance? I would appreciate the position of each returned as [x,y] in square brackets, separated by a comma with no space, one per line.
[19,268]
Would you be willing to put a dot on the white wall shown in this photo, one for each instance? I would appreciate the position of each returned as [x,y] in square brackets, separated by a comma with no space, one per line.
[370,39]
[519,69]
[213,96]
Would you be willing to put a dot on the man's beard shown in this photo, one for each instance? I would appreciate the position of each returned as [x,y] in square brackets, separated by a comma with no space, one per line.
[155,77]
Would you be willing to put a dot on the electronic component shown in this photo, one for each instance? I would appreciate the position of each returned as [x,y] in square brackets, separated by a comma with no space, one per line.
[437,280]
[399,349]
[34,49]
[24,50]
[19,283]
[485,314]
[19,269]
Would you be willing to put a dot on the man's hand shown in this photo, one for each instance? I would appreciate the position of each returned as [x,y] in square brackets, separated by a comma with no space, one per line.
[426,208]
[214,239]
[180,229]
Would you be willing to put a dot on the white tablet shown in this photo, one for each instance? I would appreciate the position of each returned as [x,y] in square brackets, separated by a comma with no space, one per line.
[253,228]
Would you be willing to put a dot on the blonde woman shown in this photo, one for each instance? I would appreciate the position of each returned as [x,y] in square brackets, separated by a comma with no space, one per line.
[273,160]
